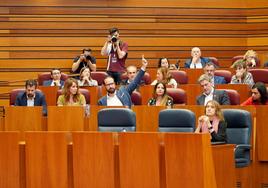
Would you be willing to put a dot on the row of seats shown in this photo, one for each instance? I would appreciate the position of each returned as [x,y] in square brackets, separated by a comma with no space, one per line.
[259,75]
[238,131]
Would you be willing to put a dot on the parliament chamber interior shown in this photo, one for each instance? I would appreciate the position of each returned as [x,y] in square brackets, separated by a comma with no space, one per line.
[68,149]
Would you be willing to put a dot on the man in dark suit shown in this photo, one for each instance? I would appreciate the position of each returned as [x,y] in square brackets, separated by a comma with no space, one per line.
[209,93]
[122,96]
[31,97]
[209,69]
[55,79]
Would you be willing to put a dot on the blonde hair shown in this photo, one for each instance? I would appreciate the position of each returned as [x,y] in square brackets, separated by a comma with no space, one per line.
[250,53]
[166,75]
[218,111]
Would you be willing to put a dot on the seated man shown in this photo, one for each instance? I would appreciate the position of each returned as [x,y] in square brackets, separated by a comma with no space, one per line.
[84,60]
[122,96]
[31,97]
[196,62]
[55,79]
[131,74]
[209,70]
[209,93]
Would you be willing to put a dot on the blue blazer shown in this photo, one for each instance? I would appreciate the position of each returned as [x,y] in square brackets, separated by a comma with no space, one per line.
[188,62]
[124,92]
[39,100]
[219,95]
[48,83]
[219,80]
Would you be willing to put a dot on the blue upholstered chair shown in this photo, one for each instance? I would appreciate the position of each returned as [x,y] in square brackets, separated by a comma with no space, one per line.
[238,132]
[116,120]
[176,120]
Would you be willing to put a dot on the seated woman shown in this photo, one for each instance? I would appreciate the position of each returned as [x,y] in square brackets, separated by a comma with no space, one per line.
[259,95]
[242,76]
[164,62]
[251,58]
[212,122]
[71,95]
[85,78]
[163,75]
[160,97]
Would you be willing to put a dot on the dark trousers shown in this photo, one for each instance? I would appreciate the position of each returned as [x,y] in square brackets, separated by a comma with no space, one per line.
[116,76]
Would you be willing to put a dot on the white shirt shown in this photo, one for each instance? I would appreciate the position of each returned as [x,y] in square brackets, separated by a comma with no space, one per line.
[30,102]
[196,65]
[208,97]
[113,101]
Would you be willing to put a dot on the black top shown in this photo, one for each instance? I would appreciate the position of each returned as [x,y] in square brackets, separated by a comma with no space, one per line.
[152,102]
[83,64]
[220,136]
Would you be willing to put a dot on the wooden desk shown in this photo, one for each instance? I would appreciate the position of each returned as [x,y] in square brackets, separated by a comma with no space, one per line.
[65,118]
[23,118]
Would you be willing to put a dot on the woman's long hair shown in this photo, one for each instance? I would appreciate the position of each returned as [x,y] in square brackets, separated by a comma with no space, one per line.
[218,111]
[165,96]
[166,75]
[81,73]
[262,90]
[66,90]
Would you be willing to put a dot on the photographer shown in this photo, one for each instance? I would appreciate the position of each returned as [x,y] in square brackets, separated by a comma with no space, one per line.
[84,60]
[116,50]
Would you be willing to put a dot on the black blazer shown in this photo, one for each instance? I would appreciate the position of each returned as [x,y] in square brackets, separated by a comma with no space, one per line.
[218,95]
[39,100]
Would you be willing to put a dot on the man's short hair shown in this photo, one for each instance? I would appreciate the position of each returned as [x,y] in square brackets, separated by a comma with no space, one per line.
[31,83]
[87,49]
[103,82]
[113,30]
[51,72]
[210,63]
[204,77]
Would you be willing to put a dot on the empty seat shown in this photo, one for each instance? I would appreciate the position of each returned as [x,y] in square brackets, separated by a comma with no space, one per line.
[99,76]
[224,73]
[176,120]
[136,98]
[259,75]
[179,95]
[215,61]
[180,76]
[116,120]
[238,132]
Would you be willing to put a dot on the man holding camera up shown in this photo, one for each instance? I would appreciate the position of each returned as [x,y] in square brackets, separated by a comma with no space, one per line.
[84,60]
[116,50]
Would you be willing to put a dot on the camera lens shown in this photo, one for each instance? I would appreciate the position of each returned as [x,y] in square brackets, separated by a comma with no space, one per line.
[114,39]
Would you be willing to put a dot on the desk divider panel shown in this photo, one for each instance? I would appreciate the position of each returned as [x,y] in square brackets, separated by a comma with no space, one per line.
[188,161]
[139,160]
[9,160]
[46,160]
[93,160]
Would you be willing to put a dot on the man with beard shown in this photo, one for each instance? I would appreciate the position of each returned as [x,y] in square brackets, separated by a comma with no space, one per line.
[31,97]
[122,96]
[209,93]
[210,69]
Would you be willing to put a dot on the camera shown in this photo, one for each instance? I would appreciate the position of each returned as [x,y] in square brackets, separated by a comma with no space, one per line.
[88,57]
[114,39]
